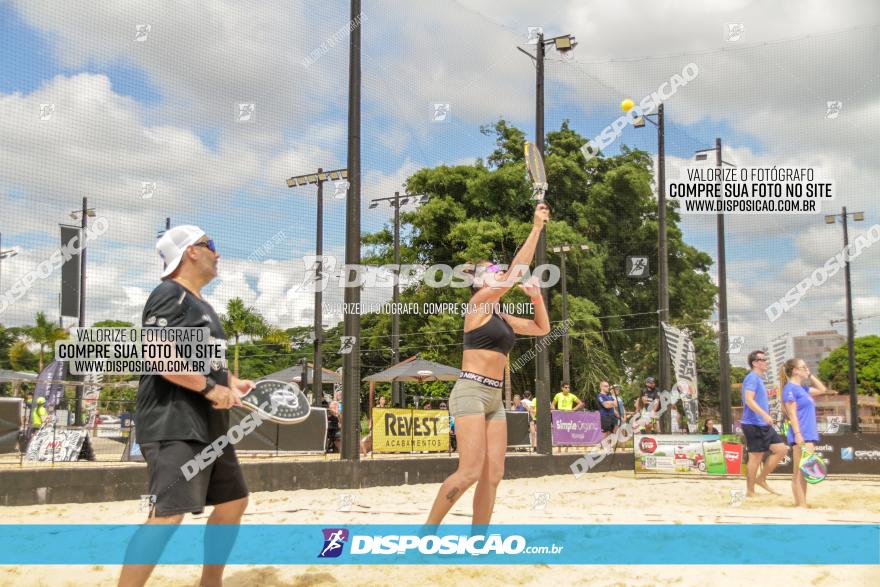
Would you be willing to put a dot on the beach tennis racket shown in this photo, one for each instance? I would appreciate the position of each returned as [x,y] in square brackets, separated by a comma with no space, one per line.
[280,402]
[537,174]
[813,467]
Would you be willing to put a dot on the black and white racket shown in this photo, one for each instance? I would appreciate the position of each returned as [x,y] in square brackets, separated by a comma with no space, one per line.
[280,402]
[537,174]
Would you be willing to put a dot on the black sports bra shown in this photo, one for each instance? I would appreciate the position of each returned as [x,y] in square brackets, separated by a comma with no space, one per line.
[495,335]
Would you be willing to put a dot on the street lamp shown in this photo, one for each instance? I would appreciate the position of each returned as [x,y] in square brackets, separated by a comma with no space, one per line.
[84,214]
[562,250]
[662,253]
[850,326]
[318,179]
[723,342]
[396,202]
[564,44]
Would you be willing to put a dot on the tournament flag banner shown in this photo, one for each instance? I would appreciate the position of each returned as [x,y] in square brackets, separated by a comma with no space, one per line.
[453,544]
[778,351]
[687,454]
[684,364]
[575,428]
[50,383]
[405,430]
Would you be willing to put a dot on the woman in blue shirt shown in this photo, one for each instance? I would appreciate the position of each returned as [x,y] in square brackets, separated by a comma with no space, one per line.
[801,410]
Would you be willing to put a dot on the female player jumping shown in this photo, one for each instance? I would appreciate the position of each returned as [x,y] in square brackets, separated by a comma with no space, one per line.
[475,401]
[798,395]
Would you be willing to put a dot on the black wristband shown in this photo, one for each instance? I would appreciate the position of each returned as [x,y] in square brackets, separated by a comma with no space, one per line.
[209,385]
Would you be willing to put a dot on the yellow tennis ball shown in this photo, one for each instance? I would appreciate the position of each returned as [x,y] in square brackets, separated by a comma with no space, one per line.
[627,105]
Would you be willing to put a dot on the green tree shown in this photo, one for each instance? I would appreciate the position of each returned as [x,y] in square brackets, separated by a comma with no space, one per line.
[7,339]
[834,369]
[45,332]
[240,320]
[112,324]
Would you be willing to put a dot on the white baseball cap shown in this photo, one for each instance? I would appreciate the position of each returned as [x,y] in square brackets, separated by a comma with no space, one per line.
[174,243]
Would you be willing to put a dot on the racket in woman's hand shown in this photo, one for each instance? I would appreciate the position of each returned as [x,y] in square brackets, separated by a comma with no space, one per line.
[812,466]
[537,174]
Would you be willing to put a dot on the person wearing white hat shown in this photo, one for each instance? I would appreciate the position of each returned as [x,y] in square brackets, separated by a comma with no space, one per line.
[179,415]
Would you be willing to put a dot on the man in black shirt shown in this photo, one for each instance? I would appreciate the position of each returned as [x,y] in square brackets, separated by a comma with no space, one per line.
[179,415]
[649,402]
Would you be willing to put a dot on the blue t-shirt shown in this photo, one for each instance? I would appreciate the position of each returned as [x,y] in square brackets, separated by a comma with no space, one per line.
[605,397]
[754,382]
[806,411]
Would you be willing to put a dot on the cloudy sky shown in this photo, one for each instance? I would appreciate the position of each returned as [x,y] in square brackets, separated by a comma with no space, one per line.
[163,107]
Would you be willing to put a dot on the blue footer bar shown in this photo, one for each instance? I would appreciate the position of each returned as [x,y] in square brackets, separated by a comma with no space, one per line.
[289,544]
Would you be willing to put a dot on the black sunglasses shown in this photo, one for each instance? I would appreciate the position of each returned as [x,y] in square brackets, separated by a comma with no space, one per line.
[209,244]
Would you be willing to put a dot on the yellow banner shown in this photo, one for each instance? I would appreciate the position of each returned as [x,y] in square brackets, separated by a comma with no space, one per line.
[405,430]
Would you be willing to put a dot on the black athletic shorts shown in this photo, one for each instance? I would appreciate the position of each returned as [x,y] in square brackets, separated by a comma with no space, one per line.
[759,438]
[219,482]
[608,423]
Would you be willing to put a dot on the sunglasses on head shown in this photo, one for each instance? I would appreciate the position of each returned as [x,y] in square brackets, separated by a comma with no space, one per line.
[209,244]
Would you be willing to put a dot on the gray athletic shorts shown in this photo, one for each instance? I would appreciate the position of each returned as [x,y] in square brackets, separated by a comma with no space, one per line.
[470,397]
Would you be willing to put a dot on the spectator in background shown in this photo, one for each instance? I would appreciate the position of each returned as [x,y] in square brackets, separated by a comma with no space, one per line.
[517,403]
[427,405]
[334,431]
[39,415]
[367,441]
[709,427]
[621,409]
[649,403]
[607,409]
[338,398]
[566,401]
[529,405]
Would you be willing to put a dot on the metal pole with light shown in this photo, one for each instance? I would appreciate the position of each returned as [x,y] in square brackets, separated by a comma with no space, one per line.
[351,363]
[723,340]
[563,44]
[562,250]
[850,325]
[7,254]
[318,179]
[662,253]
[85,213]
[396,202]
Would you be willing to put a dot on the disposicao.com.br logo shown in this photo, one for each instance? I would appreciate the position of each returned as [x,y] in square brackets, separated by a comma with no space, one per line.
[412,544]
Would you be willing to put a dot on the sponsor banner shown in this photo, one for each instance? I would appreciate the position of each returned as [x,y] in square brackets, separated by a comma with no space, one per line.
[576,428]
[53,444]
[687,454]
[845,454]
[454,544]
[406,430]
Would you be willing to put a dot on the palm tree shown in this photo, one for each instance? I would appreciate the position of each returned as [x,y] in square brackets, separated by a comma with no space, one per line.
[43,333]
[242,321]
